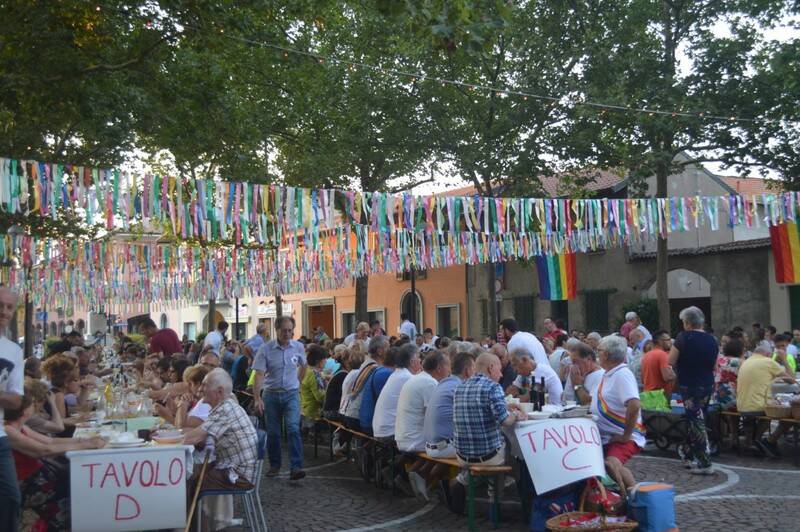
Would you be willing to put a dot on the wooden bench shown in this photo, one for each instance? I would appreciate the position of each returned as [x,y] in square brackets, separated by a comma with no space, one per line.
[476,470]
[794,422]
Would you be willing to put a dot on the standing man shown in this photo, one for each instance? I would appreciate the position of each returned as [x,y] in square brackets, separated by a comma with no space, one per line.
[11,389]
[216,339]
[164,341]
[284,362]
[407,327]
[376,329]
[523,340]
[255,342]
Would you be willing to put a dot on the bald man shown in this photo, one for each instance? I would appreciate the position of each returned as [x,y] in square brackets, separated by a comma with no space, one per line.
[479,410]
[508,376]
[12,375]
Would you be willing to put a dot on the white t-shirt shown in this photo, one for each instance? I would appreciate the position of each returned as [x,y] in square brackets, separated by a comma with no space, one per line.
[528,342]
[409,426]
[555,359]
[213,339]
[12,372]
[347,387]
[552,383]
[386,406]
[409,329]
[590,382]
[616,388]
[200,410]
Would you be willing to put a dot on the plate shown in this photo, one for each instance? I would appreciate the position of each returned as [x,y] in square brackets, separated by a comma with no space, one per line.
[138,442]
[539,415]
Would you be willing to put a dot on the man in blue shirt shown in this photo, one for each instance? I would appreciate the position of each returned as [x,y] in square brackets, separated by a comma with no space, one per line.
[284,362]
[439,415]
[255,342]
[375,383]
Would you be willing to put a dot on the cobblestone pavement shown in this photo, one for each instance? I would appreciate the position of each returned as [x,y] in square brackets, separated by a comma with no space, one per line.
[746,493]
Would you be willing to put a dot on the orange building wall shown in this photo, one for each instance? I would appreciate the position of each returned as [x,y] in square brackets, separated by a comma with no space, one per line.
[444,286]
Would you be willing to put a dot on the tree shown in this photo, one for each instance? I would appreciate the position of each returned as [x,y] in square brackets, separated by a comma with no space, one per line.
[665,55]
[501,142]
[351,126]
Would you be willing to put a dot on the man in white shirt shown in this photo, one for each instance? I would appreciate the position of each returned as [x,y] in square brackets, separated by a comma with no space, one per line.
[523,340]
[584,375]
[529,373]
[216,338]
[12,375]
[407,327]
[414,397]
[407,365]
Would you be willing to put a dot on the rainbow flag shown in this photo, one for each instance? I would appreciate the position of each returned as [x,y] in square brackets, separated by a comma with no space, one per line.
[786,251]
[557,276]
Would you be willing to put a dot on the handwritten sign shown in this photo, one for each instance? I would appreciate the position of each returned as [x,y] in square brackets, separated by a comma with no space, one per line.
[128,489]
[560,451]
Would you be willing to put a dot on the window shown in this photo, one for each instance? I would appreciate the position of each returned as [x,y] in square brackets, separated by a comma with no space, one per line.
[596,303]
[240,331]
[448,321]
[349,320]
[406,276]
[190,330]
[524,312]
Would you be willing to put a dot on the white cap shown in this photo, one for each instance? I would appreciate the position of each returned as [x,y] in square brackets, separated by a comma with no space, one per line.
[631,316]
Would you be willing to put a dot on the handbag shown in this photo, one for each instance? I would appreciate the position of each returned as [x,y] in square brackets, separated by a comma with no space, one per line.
[605,501]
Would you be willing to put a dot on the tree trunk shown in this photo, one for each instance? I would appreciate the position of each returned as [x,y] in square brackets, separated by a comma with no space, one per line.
[29,339]
[362,285]
[278,306]
[662,256]
[491,300]
[212,310]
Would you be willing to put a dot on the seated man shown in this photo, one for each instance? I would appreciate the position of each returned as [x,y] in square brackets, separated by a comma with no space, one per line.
[235,438]
[530,373]
[438,427]
[584,375]
[407,365]
[479,410]
[753,387]
[618,410]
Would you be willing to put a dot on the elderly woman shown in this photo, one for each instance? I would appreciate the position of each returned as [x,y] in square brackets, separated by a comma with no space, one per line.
[44,492]
[616,405]
[312,388]
[694,357]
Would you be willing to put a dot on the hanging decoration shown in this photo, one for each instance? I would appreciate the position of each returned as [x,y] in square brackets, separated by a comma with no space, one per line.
[207,238]
[558,279]
[786,252]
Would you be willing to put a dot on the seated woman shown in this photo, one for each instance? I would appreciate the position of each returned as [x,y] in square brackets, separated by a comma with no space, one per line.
[65,379]
[727,373]
[333,394]
[187,410]
[44,492]
[41,421]
[312,388]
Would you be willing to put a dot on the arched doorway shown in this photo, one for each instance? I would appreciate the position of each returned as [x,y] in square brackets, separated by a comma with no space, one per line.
[53,329]
[164,322]
[217,318]
[80,325]
[685,288]
[405,308]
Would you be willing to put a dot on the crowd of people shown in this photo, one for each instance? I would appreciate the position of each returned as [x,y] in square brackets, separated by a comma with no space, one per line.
[448,397]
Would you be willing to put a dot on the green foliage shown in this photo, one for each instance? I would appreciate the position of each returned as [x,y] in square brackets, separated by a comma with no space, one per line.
[646,309]
[198,339]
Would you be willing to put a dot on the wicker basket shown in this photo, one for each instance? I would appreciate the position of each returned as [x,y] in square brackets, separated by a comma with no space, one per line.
[555,523]
[778,411]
